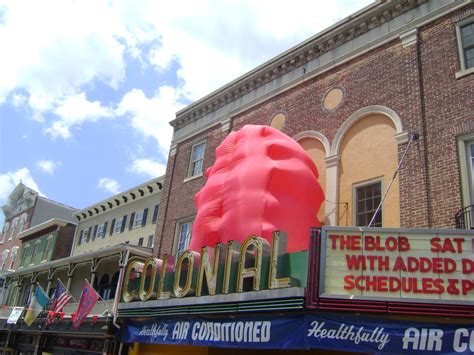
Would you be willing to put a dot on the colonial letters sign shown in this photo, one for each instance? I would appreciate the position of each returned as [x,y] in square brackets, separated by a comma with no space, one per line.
[404,265]
[226,268]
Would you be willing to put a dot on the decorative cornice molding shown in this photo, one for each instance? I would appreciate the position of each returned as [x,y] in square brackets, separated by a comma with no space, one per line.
[346,30]
[409,38]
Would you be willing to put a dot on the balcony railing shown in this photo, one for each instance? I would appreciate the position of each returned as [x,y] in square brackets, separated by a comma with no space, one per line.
[465,218]
[99,308]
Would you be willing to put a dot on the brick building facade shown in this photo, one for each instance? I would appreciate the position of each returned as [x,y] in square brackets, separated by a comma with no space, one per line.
[397,67]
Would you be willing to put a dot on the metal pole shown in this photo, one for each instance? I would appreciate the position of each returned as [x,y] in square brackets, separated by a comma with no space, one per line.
[413,137]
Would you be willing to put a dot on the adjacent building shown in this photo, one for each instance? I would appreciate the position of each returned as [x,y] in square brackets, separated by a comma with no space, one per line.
[107,235]
[25,208]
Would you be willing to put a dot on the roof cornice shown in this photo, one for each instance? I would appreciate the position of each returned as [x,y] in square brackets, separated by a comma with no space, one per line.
[134,194]
[345,30]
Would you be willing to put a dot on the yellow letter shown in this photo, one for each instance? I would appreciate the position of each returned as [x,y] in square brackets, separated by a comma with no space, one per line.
[253,248]
[278,248]
[205,269]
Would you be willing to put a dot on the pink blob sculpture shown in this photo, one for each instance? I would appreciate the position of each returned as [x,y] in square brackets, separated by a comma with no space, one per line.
[262,181]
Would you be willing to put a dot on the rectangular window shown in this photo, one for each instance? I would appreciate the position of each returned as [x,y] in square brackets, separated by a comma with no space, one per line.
[86,235]
[118,225]
[149,244]
[465,216]
[184,236]
[465,38]
[140,241]
[137,221]
[197,159]
[367,199]
[155,214]
[101,231]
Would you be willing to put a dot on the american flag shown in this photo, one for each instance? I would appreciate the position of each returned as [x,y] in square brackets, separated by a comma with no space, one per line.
[60,298]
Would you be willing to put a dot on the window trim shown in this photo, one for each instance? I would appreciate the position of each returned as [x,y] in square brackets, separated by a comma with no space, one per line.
[13,257]
[135,220]
[3,263]
[190,175]
[98,231]
[115,225]
[49,245]
[364,183]
[13,228]
[463,154]
[150,238]
[462,62]
[179,223]
[5,231]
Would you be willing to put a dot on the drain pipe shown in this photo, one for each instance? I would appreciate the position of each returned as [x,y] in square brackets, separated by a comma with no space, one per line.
[413,137]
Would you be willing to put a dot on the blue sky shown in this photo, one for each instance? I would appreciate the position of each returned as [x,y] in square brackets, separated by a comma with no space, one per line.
[87,88]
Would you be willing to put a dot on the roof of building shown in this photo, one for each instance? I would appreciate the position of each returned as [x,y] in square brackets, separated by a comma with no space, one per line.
[383,16]
[135,193]
[43,226]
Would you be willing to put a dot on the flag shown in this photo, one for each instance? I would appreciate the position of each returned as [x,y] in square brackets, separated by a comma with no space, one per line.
[60,298]
[88,300]
[39,301]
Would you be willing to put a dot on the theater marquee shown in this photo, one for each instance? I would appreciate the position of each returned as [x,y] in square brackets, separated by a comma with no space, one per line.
[435,266]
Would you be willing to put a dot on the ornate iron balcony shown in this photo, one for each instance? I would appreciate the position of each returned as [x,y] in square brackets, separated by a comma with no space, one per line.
[465,218]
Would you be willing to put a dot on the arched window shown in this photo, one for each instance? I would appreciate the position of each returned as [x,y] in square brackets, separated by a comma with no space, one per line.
[4,259]
[22,223]
[6,227]
[104,287]
[48,250]
[25,255]
[368,155]
[13,229]
[36,249]
[13,258]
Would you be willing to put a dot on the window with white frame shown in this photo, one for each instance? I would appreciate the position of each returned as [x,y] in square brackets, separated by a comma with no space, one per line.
[118,225]
[36,249]
[6,227]
[367,197]
[196,159]
[48,249]
[183,237]
[465,38]
[21,226]
[13,257]
[25,254]
[86,236]
[5,254]
[466,163]
[13,229]
[149,243]
[138,220]
[101,230]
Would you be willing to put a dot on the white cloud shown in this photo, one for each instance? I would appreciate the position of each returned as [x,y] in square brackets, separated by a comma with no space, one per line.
[18,100]
[48,166]
[9,180]
[53,50]
[109,185]
[150,116]
[74,110]
[147,167]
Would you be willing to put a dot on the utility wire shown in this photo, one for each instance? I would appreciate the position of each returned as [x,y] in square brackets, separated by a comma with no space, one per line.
[413,137]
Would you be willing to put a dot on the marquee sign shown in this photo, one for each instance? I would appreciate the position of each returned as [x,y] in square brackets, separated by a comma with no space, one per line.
[435,266]
[227,268]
